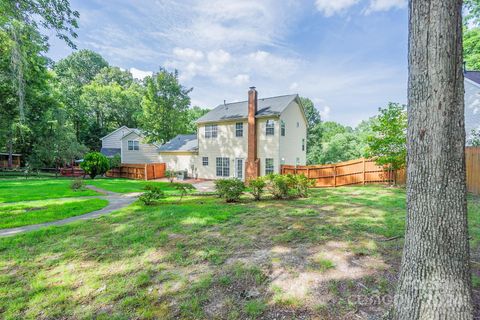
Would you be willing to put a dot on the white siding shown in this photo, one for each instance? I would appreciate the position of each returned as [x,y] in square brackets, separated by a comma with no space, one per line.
[268,146]
[472,107]
[114,140]
[226,144]
[291,144]
[180,162]
[148,153]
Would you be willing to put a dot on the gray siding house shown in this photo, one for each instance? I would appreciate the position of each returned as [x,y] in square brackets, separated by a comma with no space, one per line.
[472,102]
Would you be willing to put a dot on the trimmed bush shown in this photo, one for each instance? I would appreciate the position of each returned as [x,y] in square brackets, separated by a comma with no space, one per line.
[115,161]
[153,194]
[230,189]
[77,184]
[258,187]
[95,163]
[301,185]
[279,185]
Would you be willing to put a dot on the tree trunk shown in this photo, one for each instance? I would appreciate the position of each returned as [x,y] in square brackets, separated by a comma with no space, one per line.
[10,152]
[434,281]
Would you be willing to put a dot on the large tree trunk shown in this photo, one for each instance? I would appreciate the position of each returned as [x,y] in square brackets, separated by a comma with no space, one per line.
[434,280]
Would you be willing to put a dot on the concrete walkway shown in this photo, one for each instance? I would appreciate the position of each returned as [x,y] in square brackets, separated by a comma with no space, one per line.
[115,201]
[205,186]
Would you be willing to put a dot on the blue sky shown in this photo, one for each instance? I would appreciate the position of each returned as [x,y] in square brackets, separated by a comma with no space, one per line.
[348,56]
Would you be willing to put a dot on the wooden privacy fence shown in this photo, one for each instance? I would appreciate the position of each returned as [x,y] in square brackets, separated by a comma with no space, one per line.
[147,171]
[359,171]
[472,161]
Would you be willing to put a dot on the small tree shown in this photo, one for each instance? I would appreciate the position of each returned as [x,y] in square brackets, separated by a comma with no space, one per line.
[387,144]
[183,189]
[95,163]
[170,174]
[115,161]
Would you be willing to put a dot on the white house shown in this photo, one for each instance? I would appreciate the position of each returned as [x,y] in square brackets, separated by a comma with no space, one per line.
[241,139]
[472,102]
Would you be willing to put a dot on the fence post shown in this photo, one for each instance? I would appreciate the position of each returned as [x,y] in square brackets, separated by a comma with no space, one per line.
[335,175]
[363,171]
[146,171]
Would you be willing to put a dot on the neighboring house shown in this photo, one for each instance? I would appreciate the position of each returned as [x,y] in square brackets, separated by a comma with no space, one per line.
[241,139]
[111,143]
[472,102]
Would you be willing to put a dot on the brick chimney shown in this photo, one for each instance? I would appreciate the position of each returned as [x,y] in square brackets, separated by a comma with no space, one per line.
[252,165]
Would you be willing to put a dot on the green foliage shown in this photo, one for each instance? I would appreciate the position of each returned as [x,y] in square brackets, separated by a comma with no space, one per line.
[257,187]
[300,185]
[77,184]
[193,114]
[94,163]
[471,48]
[388,142]
[472,15]
[279,185]
[474,139]
[115,161]
[183,189]
[230,189]
[152,195]
[170,175]
[165,106]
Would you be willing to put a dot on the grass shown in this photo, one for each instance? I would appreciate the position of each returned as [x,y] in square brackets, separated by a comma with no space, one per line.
[33,212]
[205,259]
[13,190]
[126,186]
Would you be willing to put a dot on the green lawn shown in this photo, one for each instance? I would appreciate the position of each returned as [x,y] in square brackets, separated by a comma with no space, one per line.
[33,212]
[205,259]
[13,190]
[126,185]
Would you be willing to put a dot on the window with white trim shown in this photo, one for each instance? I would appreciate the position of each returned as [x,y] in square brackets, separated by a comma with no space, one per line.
[223,167]
[133,145]
[270,128]
[269,165]
[282,128]
[303,144]
[239,129]
[205,161]
[211,131]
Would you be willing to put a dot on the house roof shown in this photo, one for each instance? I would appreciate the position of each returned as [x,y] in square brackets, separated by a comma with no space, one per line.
[182,142]
[473,76]
[139,133]
[239,110]
[130,130]
[110,152]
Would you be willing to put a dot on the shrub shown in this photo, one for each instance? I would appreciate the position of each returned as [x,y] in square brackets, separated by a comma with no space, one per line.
[279,185]
[230,189]
[115,161]
[183,189]
[170,174]
[95,163]
[77,184]
[301,184]
[153,194]
[258,187]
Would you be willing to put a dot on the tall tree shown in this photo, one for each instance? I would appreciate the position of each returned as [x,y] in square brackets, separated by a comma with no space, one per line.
[193,114]
[434,281]
[74,72]
[165,106]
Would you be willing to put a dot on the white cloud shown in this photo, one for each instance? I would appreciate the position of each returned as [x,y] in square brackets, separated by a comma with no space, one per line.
[385,5]
[139,74]
[241,79]
[331,7]
[294,86]
[325,113]
[188,54]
